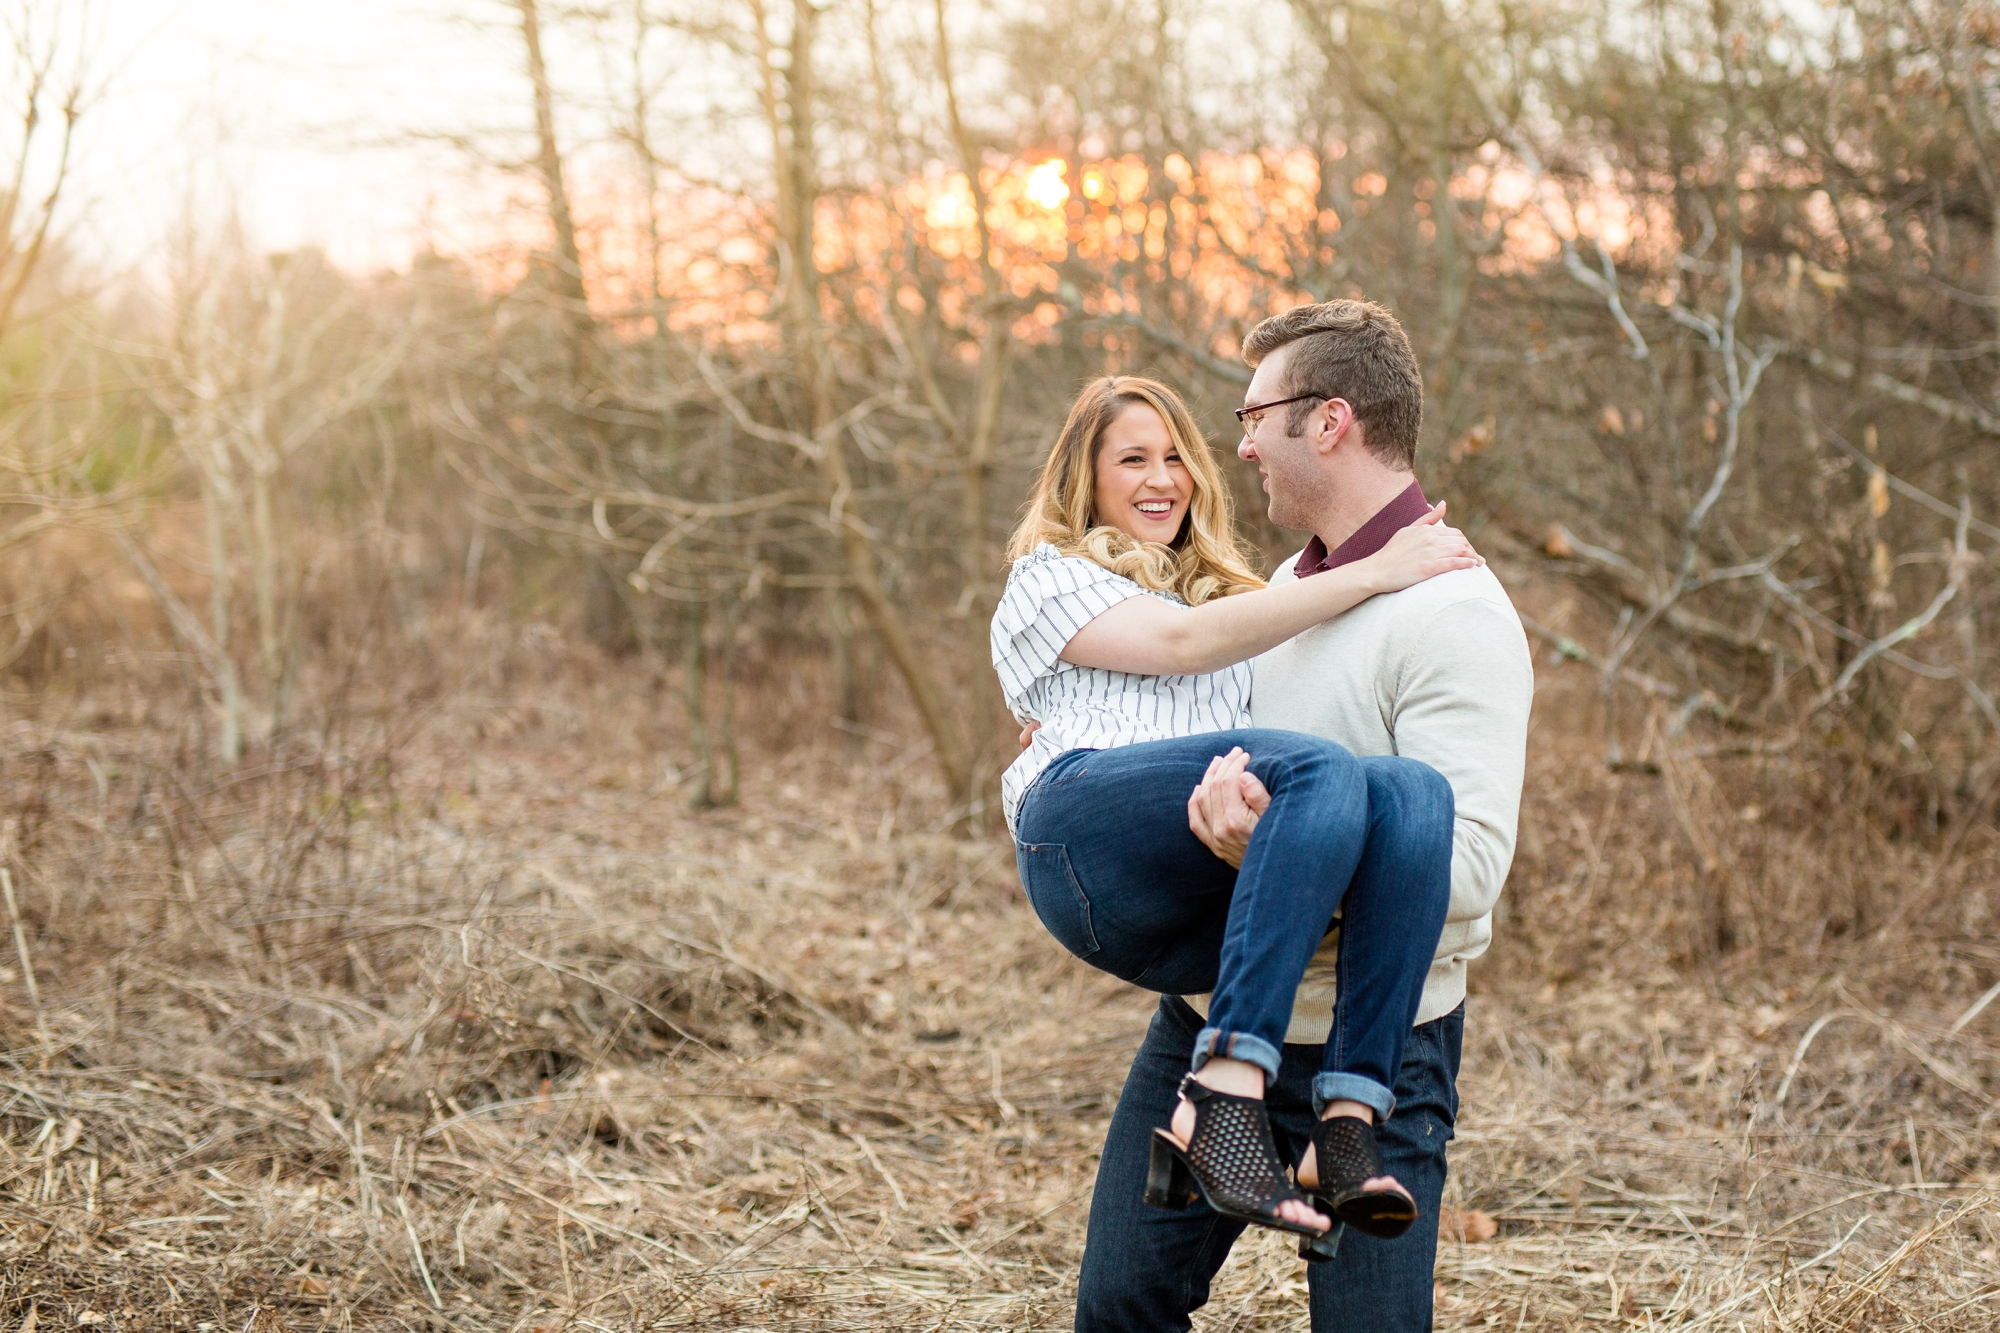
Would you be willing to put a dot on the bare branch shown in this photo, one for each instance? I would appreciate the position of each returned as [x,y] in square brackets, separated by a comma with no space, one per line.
[1909,492]
[1961,570]
[1221,369]
[1965,414]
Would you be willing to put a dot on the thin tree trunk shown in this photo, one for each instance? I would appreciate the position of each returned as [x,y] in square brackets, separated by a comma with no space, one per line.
[188,629]
[847,701]
[229,748]
[548,164]
[694,686]
[475,551]
[1968,639]
[723,790]
[995,352]
[264,586]
[865,573]
[792,138]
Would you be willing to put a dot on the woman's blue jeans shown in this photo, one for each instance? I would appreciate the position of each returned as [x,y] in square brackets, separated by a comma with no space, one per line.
[1120,880]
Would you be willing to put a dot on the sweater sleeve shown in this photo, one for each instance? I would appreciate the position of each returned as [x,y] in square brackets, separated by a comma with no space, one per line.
[1048,598]
[1461,706]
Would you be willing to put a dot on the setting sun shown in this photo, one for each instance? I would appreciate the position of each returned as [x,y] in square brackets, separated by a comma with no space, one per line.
[1046,185]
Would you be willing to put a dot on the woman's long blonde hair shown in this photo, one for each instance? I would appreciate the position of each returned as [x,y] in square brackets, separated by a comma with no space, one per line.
[1204,560]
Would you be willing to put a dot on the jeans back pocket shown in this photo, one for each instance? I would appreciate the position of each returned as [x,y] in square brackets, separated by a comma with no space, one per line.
[1056,895]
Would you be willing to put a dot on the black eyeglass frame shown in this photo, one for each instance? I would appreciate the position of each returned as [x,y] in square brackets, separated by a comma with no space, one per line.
[1243,414]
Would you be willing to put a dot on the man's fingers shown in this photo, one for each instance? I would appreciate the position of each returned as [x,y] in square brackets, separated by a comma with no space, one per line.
[1218,770]
[1202,797]
[1215,807]
[1229,787]
[1211,802]
[1229,808]
[1241,817]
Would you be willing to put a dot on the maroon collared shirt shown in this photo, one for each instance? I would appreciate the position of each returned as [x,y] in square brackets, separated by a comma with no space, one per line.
[1369,538]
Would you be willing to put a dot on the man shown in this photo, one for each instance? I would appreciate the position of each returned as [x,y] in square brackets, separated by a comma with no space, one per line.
[1438,672]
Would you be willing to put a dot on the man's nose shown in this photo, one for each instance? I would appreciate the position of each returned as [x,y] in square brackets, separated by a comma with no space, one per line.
[1245,450]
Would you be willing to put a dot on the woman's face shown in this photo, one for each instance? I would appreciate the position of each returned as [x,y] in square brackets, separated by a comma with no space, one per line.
[1143,487]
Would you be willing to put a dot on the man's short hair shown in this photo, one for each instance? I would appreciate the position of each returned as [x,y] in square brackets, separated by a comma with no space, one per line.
[1354,350]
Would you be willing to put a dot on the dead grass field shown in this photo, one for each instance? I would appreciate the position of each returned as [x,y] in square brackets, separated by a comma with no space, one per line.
[452,1016]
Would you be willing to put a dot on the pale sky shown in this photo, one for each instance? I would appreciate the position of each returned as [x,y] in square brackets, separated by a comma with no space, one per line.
[296,112]
[305,117]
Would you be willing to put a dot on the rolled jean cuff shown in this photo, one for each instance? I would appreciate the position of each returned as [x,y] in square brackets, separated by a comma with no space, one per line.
[1353,1088]
[1214,1043]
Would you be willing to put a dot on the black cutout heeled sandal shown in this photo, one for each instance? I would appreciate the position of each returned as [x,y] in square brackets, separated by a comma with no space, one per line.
[1345,1154]
[1230,1160]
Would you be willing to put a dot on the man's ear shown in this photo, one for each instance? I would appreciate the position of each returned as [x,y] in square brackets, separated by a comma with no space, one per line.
[1334,422]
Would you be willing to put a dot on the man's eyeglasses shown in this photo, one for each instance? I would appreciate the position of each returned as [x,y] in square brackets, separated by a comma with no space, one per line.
[1248,417]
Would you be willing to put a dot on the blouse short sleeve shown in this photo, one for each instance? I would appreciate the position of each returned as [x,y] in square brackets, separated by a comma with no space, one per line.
[1049,597]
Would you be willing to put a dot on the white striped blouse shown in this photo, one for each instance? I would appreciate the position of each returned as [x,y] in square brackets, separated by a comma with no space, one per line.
[1049,597]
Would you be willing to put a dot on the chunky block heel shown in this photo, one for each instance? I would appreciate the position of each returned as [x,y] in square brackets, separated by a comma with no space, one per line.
[1169,1183]
[1319,1249]
[1230,1159]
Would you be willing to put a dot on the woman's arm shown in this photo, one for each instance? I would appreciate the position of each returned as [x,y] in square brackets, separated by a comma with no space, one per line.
[1148,636]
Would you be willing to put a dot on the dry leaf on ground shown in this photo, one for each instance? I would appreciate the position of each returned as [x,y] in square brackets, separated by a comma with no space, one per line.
[1468,1225]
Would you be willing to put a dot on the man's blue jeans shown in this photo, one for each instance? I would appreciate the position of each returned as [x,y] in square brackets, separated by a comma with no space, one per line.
[1117,877]
[1145,1269]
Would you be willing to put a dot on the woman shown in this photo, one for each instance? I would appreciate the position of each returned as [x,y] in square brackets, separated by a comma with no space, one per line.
[1125,633]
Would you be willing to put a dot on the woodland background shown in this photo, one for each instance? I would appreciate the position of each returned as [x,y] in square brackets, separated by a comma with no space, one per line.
[497,819]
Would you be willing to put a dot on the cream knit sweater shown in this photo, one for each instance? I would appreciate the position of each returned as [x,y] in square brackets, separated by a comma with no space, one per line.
[1438,672]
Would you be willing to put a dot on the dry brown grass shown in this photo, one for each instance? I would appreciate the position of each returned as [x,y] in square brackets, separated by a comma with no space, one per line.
[451,1015]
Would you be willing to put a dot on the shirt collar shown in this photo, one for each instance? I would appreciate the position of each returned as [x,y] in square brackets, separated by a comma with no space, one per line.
[1370,537]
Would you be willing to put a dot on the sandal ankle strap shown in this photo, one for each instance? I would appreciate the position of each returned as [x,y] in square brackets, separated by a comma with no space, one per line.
[1198,1092]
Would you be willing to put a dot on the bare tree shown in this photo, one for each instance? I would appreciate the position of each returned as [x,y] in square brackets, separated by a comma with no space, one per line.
[61,463]
[256,371]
